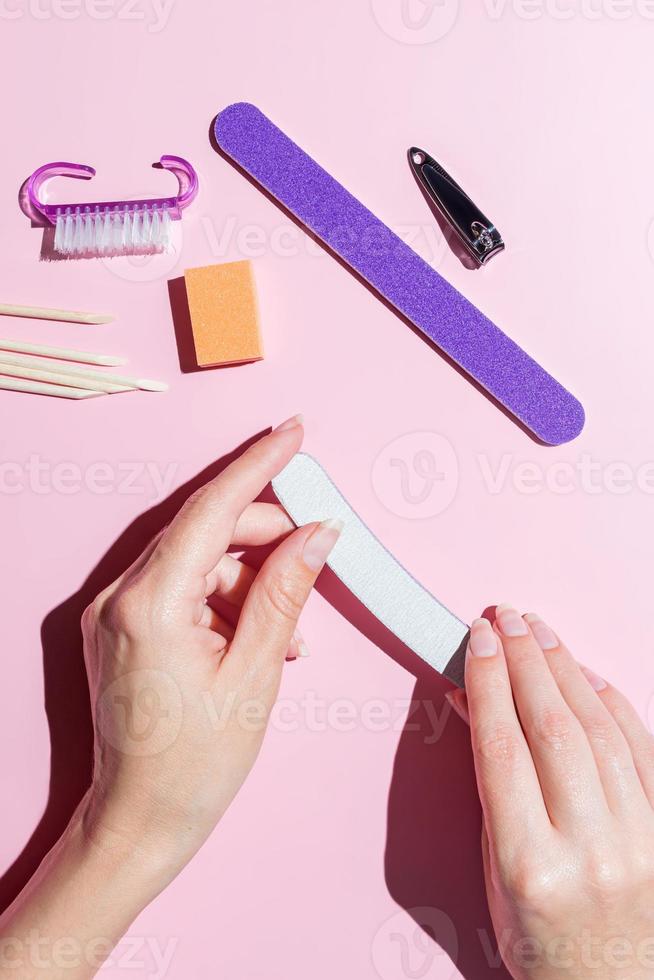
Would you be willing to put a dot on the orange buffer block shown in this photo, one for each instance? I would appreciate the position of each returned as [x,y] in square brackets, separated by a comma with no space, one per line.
[224,313]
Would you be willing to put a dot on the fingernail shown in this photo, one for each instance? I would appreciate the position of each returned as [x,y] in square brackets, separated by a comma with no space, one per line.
[596,682]
[319,544]
[483,642]
[297,647]
[545,637]
[510,621]
[459,703]
[291,423]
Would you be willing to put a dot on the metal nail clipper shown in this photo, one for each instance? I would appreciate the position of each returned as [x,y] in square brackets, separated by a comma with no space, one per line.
[477,234]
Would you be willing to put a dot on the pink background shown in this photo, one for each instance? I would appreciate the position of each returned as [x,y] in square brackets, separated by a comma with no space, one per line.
[543,114]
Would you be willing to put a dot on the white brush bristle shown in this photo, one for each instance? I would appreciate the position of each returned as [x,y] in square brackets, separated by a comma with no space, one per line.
[117,231]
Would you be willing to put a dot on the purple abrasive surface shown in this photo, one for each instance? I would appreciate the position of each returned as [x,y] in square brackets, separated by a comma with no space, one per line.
[398,273]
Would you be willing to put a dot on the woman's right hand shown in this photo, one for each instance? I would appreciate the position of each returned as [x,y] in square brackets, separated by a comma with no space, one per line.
[565,770]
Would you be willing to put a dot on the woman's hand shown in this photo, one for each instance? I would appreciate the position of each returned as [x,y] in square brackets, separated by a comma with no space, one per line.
[565,770]
[180,695]
[180,692]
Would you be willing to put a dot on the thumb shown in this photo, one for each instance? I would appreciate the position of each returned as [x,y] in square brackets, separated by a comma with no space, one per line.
[278,595]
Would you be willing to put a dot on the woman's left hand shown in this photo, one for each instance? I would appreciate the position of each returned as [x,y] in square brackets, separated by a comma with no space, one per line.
[180,694]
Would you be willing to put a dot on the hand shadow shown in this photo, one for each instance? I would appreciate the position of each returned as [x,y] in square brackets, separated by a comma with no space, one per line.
[433,856]
[433,859]
[66,691]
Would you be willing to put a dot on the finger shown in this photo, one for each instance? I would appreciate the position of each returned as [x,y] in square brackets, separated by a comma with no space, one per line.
[458,700]
[611,752]
[514,810]
[204,528]
[270,613]
[570,782]
[212,620]
[486,859]
[261,524]
[139,563]
[297,649]
[639,739]
[217,624]
[495,877]
[230,580]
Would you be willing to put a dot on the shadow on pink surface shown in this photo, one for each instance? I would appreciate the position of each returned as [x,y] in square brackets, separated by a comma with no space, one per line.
[48,252]
[433,859]
[450,238]
[433,853]
[67,704]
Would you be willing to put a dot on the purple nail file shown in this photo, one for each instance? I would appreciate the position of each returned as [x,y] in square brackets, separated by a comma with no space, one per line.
[398,273]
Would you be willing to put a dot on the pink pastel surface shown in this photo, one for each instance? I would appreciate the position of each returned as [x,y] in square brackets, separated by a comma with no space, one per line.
[545,118]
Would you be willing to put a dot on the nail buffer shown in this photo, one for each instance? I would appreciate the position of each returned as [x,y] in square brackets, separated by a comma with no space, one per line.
[398,274]
[371,572]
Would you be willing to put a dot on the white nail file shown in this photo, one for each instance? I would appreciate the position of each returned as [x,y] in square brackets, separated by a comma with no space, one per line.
[371,572]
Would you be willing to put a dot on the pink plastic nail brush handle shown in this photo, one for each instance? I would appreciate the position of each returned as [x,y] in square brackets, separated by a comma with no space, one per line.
[186,177]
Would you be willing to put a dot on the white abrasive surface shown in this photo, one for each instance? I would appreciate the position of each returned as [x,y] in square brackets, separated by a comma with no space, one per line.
[368,570]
